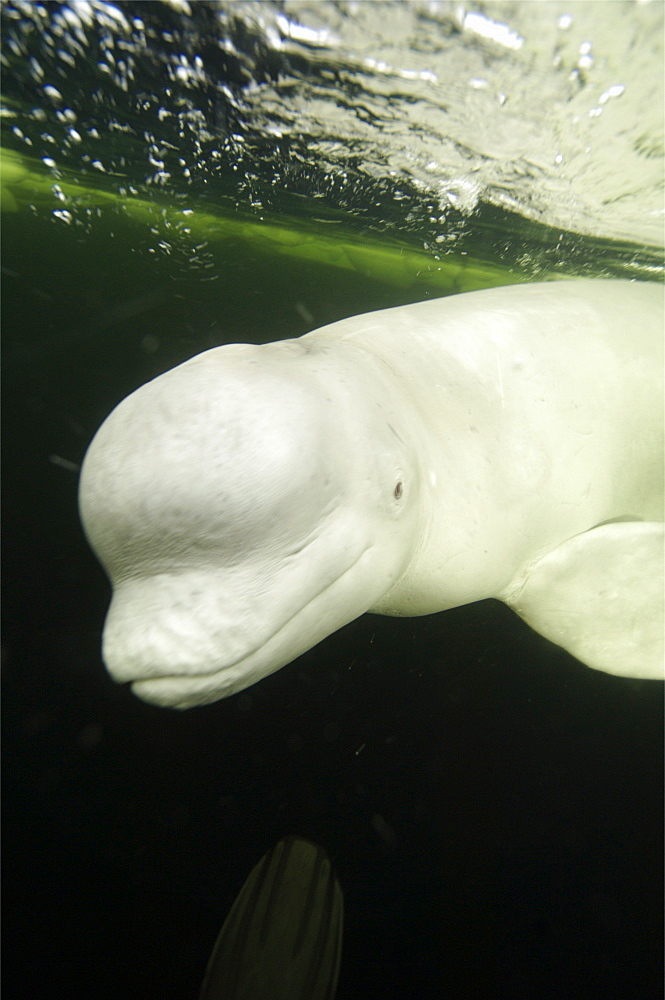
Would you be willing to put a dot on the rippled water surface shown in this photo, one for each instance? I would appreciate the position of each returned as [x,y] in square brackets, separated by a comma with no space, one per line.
[415,119]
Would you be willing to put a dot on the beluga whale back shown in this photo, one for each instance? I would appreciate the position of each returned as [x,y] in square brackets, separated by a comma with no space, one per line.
[503,443]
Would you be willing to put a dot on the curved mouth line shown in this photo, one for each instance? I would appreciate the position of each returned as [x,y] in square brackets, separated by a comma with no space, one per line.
[250,652]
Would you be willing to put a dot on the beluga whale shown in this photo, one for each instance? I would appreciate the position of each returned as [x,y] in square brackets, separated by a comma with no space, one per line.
[505,443]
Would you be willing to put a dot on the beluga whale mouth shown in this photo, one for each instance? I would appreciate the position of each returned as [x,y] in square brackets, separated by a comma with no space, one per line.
[233,540]
[253,500]
[185,639]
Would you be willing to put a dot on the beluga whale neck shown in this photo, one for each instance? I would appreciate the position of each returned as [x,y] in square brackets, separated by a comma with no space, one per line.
[504,443]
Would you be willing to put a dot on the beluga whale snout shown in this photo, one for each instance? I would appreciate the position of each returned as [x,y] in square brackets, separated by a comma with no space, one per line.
[504,443]
[235,526]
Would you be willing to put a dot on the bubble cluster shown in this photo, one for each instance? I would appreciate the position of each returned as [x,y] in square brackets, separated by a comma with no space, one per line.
[386,113]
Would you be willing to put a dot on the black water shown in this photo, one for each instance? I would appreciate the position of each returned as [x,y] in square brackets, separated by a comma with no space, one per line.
[492,808]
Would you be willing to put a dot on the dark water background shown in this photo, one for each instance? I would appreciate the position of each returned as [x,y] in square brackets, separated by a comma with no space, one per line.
[493,809]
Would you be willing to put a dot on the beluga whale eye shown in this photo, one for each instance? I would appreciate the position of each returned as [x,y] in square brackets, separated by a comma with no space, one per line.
[255,499]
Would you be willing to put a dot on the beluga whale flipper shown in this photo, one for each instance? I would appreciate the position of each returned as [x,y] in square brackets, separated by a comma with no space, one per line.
[503,443]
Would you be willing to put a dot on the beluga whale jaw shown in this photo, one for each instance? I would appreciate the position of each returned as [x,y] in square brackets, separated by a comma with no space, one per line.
[235,527]
[503,443]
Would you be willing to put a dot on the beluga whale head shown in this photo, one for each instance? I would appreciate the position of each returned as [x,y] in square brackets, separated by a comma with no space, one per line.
[241,519]
[505,443]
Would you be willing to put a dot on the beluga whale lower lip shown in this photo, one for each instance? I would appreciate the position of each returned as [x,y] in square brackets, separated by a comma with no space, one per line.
[503,443]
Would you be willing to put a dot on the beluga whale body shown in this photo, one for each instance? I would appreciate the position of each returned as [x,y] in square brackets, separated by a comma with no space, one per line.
[503,443]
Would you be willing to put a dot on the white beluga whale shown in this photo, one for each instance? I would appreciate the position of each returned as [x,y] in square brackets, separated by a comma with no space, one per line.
[504,443]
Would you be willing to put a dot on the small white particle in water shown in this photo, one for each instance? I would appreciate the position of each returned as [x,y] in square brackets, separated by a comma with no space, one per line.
[67,57]
[418,74]
[301,33]
[112,16]
[615,91]
[64,463]
[304,312]
[585,60]
[48,161]
[52,93]
[497,32]
[180,5]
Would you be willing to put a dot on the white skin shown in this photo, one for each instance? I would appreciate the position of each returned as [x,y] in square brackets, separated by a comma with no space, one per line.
[227,571]
[255,499]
